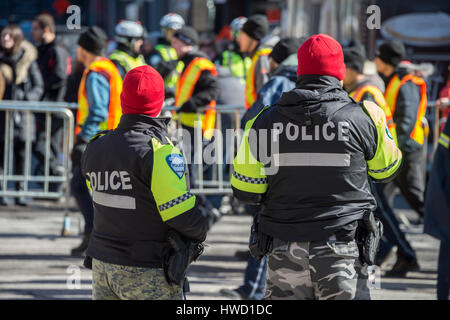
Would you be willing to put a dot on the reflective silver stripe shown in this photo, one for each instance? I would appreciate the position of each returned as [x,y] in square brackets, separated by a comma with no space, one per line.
[175,201]
[312,159]
[114,201]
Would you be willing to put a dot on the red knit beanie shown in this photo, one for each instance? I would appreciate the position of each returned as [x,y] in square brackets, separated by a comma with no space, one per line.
[142,92]
[321,55]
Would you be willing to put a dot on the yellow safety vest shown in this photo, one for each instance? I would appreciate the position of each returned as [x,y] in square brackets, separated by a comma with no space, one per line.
[418,134]
[250,91]
[169,54]
[238,66]
[126,61]
[185,87]
[106,67]
[378,96]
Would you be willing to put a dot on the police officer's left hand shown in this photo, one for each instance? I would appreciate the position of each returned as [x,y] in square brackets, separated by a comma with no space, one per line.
[78,149]
[188,106]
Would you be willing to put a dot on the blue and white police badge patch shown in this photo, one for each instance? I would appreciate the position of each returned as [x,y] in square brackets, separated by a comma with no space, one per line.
[389,134]
[176,163]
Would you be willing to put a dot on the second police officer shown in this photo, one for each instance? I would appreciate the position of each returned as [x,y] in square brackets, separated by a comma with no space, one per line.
[307,160]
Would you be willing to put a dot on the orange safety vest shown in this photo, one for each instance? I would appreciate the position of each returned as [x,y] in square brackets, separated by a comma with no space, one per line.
[107,68]
[418,134]
[378,96]
[250,92]
[185,86]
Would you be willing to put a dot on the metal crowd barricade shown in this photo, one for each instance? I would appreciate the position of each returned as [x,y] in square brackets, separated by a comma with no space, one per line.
[10,109]
[216,184]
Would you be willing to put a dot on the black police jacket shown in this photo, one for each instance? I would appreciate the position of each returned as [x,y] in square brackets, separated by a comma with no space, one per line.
[312,154]
[139,191]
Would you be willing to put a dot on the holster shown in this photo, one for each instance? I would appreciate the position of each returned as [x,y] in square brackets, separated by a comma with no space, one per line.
[369,233]
[87,263]
[177,259]
[260,243]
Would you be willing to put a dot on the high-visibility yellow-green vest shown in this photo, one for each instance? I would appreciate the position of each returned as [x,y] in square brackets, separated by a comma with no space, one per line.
[169,54]
[127,61]
[238,66]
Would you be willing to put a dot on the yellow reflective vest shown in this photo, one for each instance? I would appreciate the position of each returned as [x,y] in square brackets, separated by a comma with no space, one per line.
[238,65]
[127,61]
[169,54]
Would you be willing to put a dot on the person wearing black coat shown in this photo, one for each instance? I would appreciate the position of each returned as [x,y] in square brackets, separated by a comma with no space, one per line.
[23,82]
[53,61]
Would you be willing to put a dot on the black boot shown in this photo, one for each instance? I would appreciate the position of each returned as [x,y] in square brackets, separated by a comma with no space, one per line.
[402,266]
[79,251]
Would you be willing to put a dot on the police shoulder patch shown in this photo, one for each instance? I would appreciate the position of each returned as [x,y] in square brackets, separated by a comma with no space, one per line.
[176,163]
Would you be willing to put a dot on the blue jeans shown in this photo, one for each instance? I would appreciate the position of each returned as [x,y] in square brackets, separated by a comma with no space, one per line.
[83,198]
[443,280]
[254,278]
[392,232]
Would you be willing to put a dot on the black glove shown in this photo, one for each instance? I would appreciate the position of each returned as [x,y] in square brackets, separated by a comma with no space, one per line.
[183,252]
[77,151]
[166,67]
[188,106]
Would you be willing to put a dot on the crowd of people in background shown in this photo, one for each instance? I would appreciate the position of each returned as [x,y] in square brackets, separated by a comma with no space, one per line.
[249,66]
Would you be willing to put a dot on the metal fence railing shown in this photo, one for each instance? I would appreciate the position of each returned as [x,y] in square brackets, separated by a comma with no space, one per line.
[216,183]
[20,114]
[211,178]
[38,185]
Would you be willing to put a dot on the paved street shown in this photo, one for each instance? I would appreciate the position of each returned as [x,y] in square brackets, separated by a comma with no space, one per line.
[35,261]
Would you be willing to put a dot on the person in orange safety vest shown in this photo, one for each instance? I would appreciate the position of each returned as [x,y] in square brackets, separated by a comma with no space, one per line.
[98,110]
[406,97]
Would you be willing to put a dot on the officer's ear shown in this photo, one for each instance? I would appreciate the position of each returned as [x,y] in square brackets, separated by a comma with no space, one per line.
[341,82]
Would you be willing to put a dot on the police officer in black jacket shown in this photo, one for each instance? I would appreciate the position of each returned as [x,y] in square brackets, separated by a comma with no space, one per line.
[140,193]
[307,160]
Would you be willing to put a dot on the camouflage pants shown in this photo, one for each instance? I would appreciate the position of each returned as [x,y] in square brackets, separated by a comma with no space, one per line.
[316,270]
[116,282]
